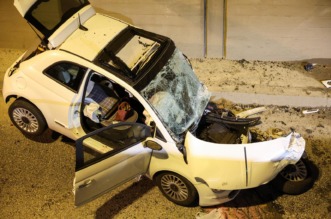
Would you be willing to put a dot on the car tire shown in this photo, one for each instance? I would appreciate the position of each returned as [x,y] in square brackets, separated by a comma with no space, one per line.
[177,189]
[27,118]
[297,178]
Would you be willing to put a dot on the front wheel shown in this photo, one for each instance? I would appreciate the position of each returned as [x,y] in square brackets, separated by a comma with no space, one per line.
[177,189]
[27,118]
[297,178]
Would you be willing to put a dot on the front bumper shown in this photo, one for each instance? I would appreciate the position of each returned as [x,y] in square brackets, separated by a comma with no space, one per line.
[210,197]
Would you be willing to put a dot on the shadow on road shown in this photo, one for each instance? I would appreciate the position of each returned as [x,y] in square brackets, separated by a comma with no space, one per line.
[48,136]
[123,199]
[260,201]
[257,196]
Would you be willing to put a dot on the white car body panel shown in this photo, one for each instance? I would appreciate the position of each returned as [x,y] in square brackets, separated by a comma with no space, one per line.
[23,5]
[89,43]
[170,159]
[55,103]
[70,26]
[224,166]
[107,174]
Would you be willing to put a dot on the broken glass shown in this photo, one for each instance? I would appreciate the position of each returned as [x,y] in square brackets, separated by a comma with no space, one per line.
[177,95]
[132,56]
[136,51]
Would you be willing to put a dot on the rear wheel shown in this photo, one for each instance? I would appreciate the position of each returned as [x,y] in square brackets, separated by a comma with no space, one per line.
[177,189]
[27,118]
[297,178]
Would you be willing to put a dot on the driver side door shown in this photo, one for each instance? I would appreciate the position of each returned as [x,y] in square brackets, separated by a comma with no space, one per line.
[127,158]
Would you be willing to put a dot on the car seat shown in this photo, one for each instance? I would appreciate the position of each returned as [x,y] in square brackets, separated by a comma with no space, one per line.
[108,101]
[64,76]
[96,94]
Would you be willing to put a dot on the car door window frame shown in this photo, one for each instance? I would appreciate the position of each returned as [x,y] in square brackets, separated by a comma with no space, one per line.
[77,81]
[81,163]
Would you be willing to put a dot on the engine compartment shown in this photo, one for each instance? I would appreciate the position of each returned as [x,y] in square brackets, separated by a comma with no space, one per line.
[219,125]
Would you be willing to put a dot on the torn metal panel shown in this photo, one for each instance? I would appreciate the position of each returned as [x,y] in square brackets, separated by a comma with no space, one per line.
[241,166]
[327,83]
[309,66]
[250,112]
[137,51]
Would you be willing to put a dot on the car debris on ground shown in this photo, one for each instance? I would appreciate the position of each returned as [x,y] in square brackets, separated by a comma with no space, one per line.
[309,66]
[310,111]
[327,83]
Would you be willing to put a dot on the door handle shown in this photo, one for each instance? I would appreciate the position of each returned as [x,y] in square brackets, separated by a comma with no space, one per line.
[86,184]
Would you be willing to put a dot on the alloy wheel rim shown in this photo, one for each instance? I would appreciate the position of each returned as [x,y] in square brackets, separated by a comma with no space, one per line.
[174,187]
[25,120]
[295,172]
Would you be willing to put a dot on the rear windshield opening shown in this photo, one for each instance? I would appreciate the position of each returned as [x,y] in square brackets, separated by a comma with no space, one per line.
[130,53]
[47,16]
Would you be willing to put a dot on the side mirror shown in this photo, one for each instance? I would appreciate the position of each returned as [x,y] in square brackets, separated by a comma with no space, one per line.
[153,145]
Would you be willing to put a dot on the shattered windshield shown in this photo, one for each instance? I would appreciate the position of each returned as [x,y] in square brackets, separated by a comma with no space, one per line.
[177,95]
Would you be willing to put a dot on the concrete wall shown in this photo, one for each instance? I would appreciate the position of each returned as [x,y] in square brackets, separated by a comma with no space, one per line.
[214,29]
[279,29]
[255,30]
[15,32]
[182,21]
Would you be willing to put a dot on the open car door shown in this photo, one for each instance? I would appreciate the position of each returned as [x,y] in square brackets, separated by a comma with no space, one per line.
[127,157]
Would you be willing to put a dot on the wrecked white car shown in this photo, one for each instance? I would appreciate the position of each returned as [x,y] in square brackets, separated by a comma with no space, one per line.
[133,104]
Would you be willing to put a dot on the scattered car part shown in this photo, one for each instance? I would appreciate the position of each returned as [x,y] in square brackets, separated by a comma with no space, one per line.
[260,136]
[229,119]
[310,111]
[250,112]
[232,121]
[327,83]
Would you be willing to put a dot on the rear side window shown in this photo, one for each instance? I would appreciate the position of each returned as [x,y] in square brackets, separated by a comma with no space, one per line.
[68,74]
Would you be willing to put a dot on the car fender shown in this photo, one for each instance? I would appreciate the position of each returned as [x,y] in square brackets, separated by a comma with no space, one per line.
[240,166]
[169,159]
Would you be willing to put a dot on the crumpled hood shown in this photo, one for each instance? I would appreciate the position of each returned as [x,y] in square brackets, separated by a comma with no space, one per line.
[240,166]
